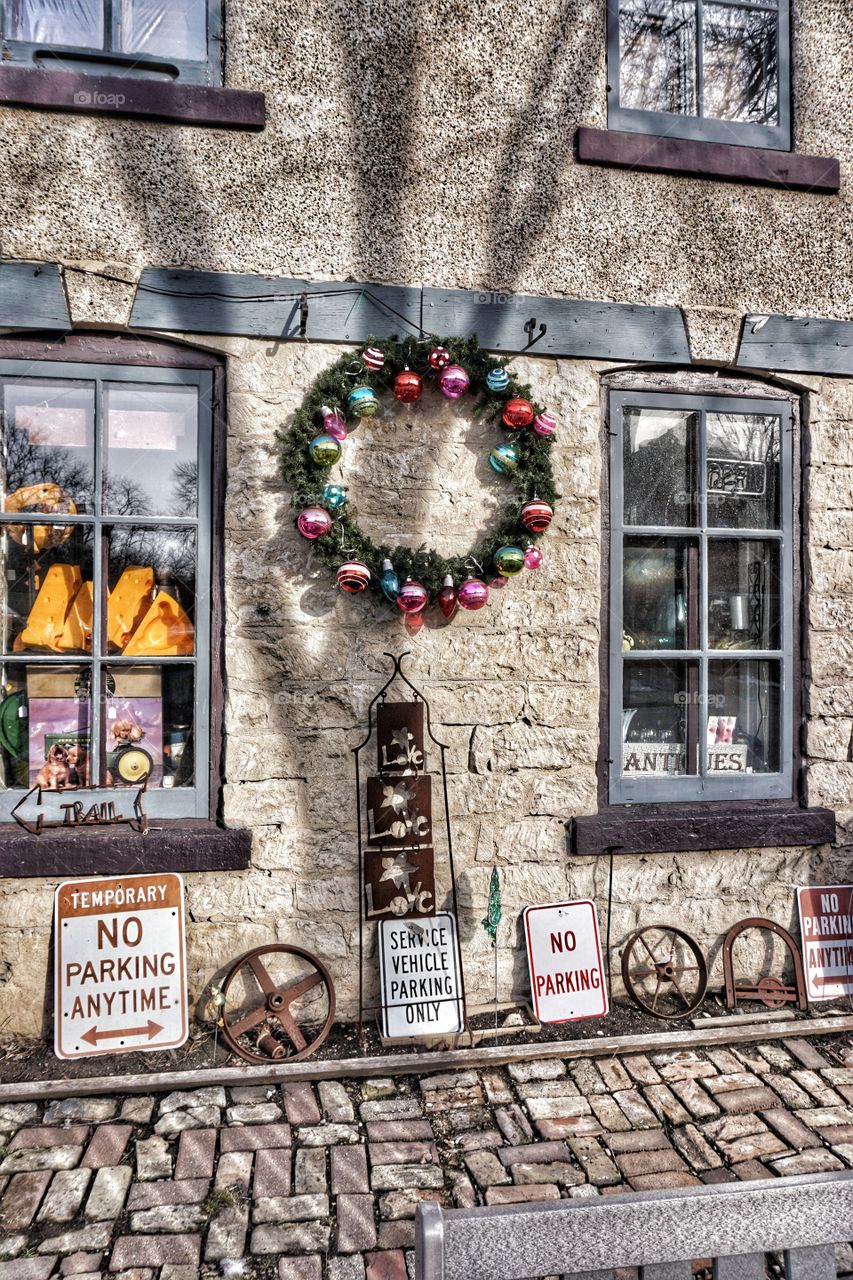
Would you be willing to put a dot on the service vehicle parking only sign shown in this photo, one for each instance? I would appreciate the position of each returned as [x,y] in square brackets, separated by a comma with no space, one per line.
[826,929]
[564,956]
[420,977]
[120,975]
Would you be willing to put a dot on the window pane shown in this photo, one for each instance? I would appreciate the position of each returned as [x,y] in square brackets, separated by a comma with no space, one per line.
[656,698]
[657,63]
[743,470]
[743,594]
[743,717]
[46,588]
[655,594]
[148,726]
[741,77]
[45,718]
[79,23]
[167,28]
[47,461]
[151,609]
[150,447]
[658,452]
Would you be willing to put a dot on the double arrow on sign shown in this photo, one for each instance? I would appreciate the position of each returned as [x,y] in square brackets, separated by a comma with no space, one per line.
[94,1035]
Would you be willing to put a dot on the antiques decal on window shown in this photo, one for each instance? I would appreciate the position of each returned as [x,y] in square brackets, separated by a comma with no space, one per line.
[736,477]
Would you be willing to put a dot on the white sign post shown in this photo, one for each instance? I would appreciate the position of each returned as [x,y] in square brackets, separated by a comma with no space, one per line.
[567,978]
[120,968]
[826,930]
[419,974]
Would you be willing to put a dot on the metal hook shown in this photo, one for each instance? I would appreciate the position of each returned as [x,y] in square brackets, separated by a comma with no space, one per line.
[303,316]
[529,330]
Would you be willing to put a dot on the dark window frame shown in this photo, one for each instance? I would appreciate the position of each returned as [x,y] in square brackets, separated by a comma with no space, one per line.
[119,63]
[704,824]
[703,128]
[178,844]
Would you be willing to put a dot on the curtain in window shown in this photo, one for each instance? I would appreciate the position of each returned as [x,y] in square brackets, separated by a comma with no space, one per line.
[79,23]
[164,28]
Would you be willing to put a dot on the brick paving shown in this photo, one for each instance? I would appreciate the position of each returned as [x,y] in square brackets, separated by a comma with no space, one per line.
[321,1182]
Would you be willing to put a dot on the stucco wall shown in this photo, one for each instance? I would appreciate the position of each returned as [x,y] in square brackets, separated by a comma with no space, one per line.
[514,693]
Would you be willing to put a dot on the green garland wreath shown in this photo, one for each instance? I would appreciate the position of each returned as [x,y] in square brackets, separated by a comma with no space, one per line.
[533,477]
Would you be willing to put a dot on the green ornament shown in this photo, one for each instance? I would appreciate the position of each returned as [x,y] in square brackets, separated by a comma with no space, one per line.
[325,451]
[493,918]
[509,561]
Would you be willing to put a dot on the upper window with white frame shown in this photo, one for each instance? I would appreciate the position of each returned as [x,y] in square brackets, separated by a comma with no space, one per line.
[708,70]
[701,605]
[168,39]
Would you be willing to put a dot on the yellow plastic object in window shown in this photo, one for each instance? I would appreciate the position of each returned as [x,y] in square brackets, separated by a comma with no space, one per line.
[46,498]
[165,630]
[77,633]
[127,603]
[47,616]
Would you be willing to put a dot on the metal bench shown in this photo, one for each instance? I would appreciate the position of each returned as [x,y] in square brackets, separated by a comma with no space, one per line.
[658,1232]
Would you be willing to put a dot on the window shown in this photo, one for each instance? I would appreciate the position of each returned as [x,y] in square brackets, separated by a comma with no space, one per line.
[164,39]
[714,70]
[701,661]
[106,590]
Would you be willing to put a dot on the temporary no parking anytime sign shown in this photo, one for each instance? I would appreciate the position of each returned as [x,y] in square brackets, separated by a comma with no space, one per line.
[120,975]
[564,955]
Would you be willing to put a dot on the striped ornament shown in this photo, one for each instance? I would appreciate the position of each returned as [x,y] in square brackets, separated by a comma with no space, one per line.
[536,515]
[544,424]
[373,359]
[353,576]
[497,379]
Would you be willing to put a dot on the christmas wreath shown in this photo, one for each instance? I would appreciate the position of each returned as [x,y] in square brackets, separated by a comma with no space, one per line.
[315,440]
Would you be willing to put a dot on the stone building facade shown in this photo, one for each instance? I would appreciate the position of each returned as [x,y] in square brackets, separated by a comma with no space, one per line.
[433,147]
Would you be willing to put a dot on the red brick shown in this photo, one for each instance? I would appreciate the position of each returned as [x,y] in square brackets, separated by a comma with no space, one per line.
[253,1137]
[349,1170]
[397,1235]
[195,1153]
[837,1134]
[752,1171]
[664,1181]
[38,1137]
[806,1053]
[522,1195]
[356,1227]
[642,1140]
[155,1251]
[22,1199]
[390,1265]
[147,1195]
[300,1104]
[642,1162]
[399,1131]
[272,1172]
[403,1153]
[740,1101]
[107,1147]
[711,1176]
[310,1268]
[789,1128]
[442,1099]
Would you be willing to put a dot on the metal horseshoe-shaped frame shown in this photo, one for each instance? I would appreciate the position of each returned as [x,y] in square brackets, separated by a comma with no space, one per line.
[771,991]
[276,1005]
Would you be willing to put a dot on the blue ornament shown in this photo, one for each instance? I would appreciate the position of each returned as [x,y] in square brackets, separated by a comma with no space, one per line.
[362,402]
[497,379]
[503,458]
[389,582]
[334,497]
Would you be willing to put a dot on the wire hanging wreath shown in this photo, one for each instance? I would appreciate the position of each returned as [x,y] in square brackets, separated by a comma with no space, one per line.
[412,578]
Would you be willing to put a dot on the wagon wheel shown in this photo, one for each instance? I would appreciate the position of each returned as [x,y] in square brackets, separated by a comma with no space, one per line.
[264,1028]
[772,992]
[664,971]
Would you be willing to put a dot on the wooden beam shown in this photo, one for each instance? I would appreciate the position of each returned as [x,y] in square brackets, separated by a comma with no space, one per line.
[32,296]
[269,307]
[797,344]
[419,1063]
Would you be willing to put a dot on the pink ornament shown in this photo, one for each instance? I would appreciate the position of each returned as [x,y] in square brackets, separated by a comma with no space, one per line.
[454,382]
[544,424]
[314,522]
[533,558]
[353,576]
[412,597]
[333,423]
[373,359]
[473,594]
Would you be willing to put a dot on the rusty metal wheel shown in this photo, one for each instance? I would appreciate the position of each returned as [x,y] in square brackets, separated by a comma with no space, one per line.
[260,1022]
[664,971]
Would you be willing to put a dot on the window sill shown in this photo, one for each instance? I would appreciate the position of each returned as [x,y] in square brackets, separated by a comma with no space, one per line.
[125,96]
[722,161]
[661,829]
[169,846]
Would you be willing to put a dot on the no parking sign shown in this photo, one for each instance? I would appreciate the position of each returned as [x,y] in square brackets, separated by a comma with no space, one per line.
[567,979]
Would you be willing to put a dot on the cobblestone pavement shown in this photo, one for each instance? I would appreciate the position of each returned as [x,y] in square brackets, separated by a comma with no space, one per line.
[309,1181]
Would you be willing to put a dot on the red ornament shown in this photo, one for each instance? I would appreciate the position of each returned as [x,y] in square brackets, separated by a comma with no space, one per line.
[517,413]
[407,386]
[439,358]
[353,576]
[536,515]
[447,602]
[373,359]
